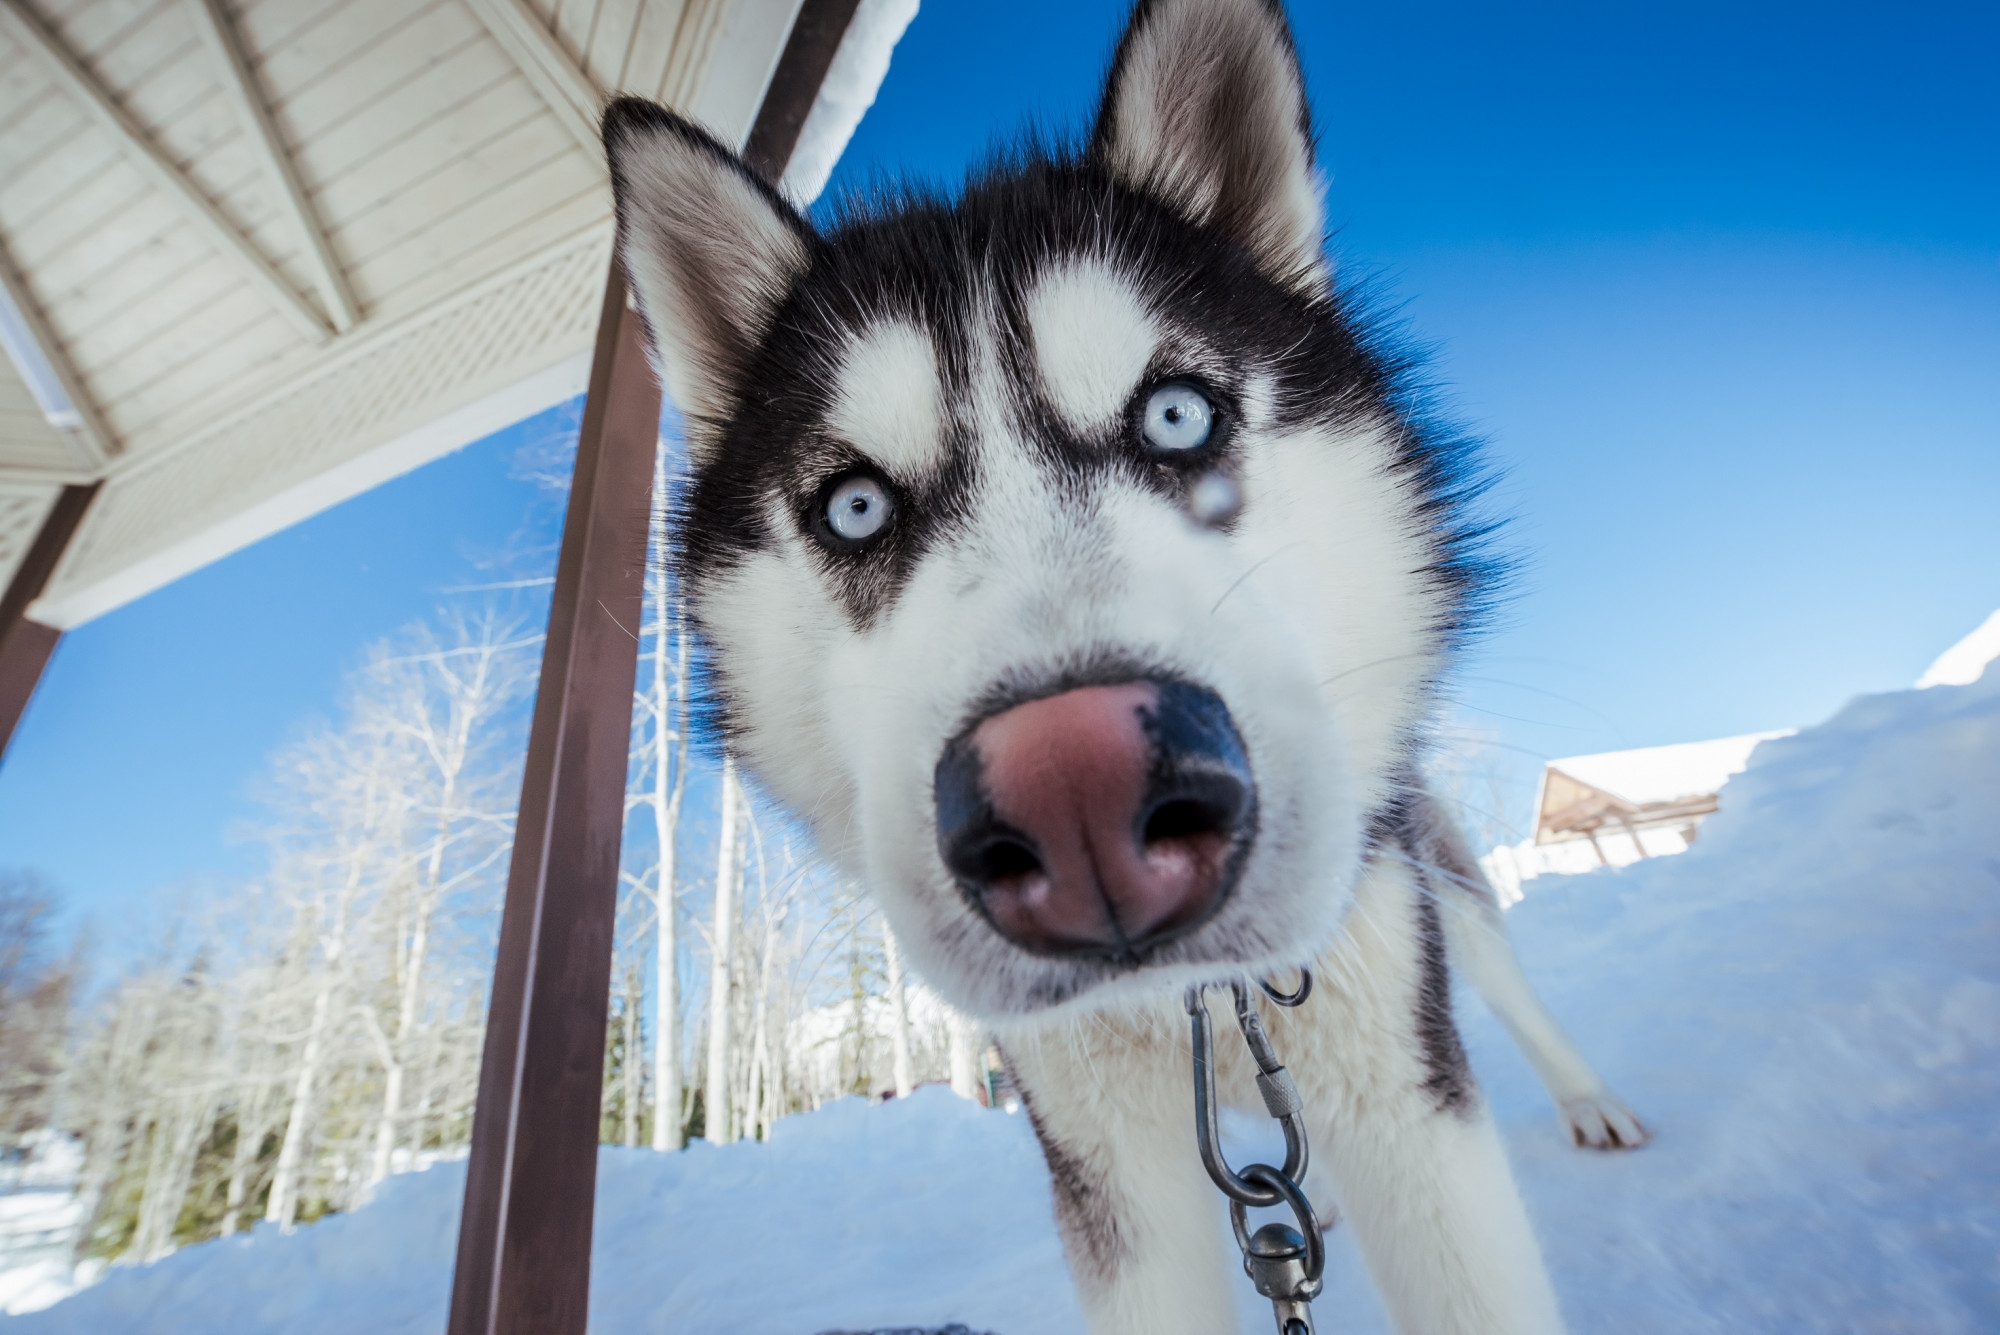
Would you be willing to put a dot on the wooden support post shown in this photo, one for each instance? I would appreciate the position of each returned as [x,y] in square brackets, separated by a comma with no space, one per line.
[524,1238]
[26,644]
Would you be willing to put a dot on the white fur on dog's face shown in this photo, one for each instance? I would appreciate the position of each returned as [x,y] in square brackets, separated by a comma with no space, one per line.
[1309,619]
[987,362]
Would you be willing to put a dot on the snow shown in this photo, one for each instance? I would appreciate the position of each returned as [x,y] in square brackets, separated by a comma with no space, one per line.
[1665,773]
[39,1217]
[852,80]
[1961,664]
[1805,1007]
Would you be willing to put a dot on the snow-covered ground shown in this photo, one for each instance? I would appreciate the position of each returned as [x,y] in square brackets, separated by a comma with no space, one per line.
[39,1217]
[1805,1007]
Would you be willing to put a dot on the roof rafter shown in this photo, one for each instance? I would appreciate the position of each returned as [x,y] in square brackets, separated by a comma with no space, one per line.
[225,48]
[92,438]
[29,32]
[576,101]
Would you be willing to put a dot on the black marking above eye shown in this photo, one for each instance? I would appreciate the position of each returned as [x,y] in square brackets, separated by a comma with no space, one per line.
[856,509]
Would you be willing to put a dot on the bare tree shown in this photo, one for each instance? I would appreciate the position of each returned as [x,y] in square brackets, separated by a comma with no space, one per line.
[663,709]
[722,941]
[899,1015]
[35,993]
[440,702]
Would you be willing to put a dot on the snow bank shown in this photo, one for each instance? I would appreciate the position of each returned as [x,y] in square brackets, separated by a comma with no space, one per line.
[926,1210]
[1964,661]
[1805,1007]
[39,1218]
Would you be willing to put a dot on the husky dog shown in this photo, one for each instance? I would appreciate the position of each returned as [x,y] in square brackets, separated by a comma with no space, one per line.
[1075,563]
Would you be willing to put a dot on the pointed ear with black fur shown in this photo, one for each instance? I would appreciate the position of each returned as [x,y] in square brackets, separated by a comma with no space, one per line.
[710,250]
[1205,109]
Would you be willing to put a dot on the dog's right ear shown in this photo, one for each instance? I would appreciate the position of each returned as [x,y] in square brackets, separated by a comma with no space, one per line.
[709,249]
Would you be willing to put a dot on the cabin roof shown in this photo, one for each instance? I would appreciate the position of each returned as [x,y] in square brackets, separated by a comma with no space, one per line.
[259,257]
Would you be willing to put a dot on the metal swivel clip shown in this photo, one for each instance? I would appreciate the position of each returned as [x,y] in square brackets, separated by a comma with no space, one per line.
[1285,1263]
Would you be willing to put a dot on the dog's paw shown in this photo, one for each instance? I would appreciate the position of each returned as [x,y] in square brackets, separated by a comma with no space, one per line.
[1600,1122]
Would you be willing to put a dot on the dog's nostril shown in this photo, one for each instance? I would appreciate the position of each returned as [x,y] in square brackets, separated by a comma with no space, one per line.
[1002,860]
[1186,818]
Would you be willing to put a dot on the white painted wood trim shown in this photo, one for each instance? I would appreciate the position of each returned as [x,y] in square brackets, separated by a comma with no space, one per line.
[441,436]
[239,82]
[23,508]
[576,101]
[93,444]
[38,40]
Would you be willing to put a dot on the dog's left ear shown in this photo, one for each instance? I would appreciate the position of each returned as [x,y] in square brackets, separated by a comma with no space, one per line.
[1205,109]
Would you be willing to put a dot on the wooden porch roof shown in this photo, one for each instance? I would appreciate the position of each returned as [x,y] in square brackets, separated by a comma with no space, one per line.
[261,256]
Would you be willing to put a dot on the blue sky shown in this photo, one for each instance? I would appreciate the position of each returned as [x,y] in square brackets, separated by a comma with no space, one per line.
[1720,285]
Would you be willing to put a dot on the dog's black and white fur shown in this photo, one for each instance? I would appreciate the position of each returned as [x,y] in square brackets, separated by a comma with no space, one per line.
[983,362]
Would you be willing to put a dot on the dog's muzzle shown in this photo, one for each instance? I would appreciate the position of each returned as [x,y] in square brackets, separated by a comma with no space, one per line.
[1101,821]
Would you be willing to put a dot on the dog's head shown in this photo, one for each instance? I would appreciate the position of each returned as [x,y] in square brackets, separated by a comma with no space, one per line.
[1065,554]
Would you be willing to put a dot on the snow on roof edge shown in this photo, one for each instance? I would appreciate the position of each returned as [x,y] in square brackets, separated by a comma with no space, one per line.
[849,89]
[1966,661]
[1665,773]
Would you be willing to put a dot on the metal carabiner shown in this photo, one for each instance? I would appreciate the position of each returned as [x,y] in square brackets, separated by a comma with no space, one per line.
[1285,1264]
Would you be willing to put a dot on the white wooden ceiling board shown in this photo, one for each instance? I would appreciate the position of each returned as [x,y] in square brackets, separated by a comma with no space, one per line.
[205,330]
[26,438]
[21,83]
[568,19]
[229,486]
[93,23]
[472,226]
[440,256]
[49,152]
[134,59]
[384,154]
[364,56]
[563,220]
[611,32]
[175,293]
[412,128]
[290,22]
[645,64]
[22,510]
[435,199]
[733,83]
[294,58]
[182,260]
[192,307]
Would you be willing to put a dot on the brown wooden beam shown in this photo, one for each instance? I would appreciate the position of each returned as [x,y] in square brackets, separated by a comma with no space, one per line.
[26,644]
[802,68]
[524,1237]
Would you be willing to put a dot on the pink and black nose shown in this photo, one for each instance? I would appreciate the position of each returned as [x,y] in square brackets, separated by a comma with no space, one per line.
[1101,821]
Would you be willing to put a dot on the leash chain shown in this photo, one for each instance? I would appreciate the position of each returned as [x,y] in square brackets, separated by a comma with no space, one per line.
[1285,1263]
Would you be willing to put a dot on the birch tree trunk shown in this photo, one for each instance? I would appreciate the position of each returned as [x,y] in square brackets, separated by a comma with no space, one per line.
[632,1070]
[250,1129]
[899,1016]
[284,1204]
[728,871]
[283,1207]
[669,754]
[964,1056]
[471,698]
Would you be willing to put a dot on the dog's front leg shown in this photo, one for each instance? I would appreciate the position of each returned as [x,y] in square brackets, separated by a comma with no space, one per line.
[1402,1140]
[1112,1104]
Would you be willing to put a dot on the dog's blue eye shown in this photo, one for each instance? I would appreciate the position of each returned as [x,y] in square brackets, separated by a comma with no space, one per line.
[858,509]
[1178,418]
